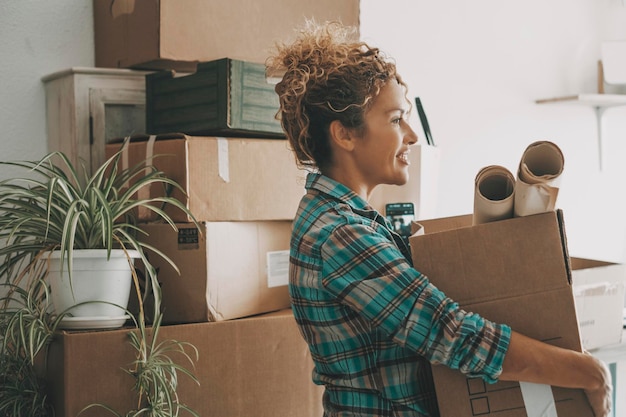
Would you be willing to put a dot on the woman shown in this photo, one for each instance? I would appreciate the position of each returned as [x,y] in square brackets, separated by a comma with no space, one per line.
[372,322]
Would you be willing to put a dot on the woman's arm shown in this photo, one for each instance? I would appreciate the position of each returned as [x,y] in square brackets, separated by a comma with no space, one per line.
[532,361]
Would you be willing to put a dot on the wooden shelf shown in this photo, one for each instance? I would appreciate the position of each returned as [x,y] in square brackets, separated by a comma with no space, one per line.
[592,100]
[598,102]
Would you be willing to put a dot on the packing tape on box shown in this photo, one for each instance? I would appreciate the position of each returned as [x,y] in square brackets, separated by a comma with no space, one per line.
[144,192]
[125,160]
[150,150]
[222,159]
[538,400]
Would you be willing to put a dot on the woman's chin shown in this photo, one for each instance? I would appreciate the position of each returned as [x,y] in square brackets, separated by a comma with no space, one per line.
[399,181]
[403,179]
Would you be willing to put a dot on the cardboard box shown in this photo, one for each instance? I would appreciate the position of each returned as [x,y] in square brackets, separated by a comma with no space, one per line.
[422,187]
[231,270]
[224,179]
[599,295]
[224,97]
[258,366]
[176,34]
[515,271]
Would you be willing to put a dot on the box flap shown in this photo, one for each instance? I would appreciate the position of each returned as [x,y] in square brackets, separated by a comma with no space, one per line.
[583,263]
[444,223]
[144,138]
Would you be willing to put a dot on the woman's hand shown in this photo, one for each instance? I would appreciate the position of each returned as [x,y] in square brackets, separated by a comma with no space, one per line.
[533,361]
[600,397]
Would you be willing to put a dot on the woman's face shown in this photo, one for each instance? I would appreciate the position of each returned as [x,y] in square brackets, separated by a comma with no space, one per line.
[382,150]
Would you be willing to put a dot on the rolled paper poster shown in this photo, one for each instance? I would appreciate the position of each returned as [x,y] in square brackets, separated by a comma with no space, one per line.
[493,194]
[538,179]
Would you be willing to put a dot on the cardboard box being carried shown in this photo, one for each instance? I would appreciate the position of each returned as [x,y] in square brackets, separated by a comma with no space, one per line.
[514,271]
[230,270]
[226,97]
[258,366]
[175,34]
[224,179]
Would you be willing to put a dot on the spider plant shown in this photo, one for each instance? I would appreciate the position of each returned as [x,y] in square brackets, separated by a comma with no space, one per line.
[26,331]
[56,206]
[156,374]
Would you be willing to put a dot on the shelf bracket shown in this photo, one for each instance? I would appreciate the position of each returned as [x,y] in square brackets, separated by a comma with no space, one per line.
[599,112]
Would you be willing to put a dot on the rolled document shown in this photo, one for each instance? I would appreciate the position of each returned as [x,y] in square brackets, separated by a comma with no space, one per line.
[493,194]
[538,179]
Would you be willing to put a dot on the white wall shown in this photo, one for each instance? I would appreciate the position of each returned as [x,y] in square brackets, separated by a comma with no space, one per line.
[478,66]
[37,38]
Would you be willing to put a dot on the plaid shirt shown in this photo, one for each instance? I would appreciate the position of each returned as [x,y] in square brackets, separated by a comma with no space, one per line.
[373,322]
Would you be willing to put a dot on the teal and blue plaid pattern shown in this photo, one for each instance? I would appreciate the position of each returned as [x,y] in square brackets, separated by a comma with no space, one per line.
[372,322]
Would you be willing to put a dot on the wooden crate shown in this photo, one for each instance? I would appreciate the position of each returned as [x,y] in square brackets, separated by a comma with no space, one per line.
[225,97]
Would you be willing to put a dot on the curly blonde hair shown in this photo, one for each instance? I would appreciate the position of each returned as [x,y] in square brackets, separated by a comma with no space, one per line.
[327,75]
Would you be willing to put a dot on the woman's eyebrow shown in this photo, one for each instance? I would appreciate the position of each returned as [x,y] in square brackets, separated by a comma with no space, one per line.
[402,111]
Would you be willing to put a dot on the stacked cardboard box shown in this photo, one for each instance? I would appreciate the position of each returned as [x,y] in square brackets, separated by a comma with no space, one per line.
[258,366]
[223,179]
[170,34]
[599,289]
[228,270]
[234,266]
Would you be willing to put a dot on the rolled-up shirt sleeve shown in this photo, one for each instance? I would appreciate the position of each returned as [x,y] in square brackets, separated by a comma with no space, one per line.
[368,273]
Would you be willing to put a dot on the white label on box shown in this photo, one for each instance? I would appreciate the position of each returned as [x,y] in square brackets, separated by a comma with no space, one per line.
[222,159]
[538,400]
[277,268]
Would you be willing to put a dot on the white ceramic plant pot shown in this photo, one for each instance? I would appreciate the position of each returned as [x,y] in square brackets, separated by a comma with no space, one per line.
[102,284]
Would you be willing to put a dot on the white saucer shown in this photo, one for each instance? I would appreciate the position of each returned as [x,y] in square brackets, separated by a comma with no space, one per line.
[84,323]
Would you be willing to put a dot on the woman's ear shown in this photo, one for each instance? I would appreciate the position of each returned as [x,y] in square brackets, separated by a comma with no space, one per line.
[341,136]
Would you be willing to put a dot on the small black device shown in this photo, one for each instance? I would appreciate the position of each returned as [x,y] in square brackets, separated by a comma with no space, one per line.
[400,215]
[424,121]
